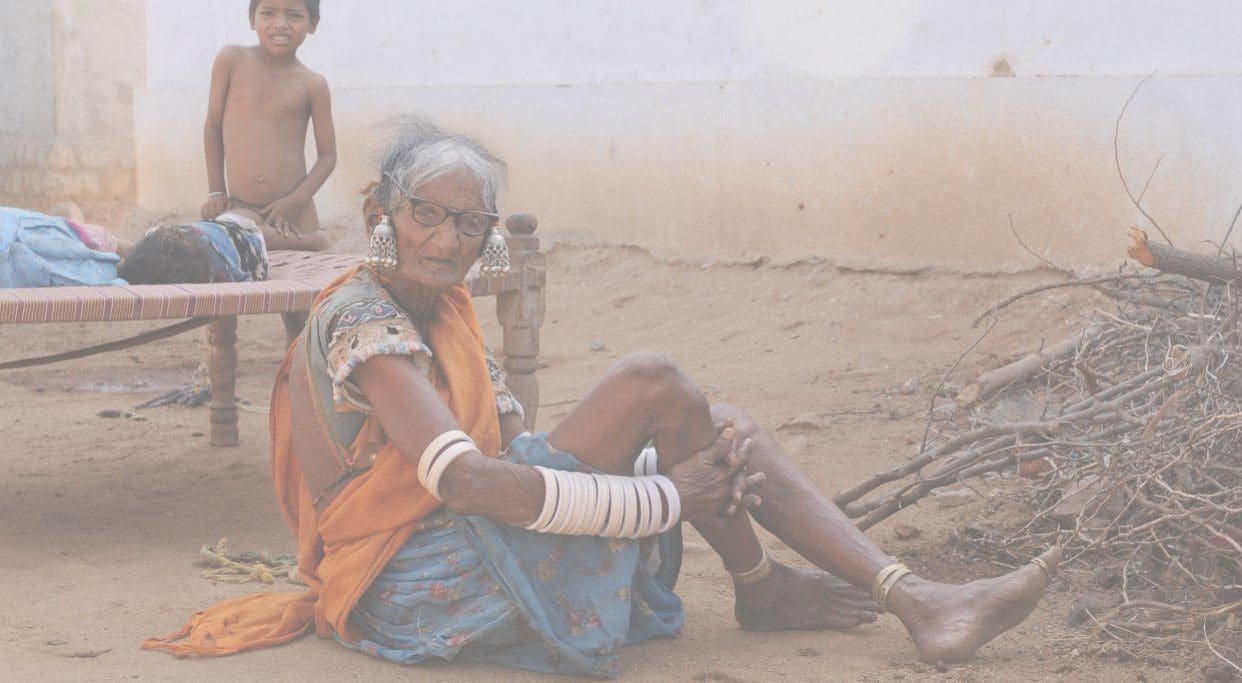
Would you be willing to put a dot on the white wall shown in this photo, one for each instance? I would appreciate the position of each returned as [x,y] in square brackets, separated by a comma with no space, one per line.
[885,133]
[413,43]
[26,79]
[68,70]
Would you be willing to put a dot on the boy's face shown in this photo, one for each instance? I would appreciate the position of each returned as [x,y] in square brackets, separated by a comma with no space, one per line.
[281,25]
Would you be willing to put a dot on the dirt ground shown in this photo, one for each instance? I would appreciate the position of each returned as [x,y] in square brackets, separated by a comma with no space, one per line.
[103,518]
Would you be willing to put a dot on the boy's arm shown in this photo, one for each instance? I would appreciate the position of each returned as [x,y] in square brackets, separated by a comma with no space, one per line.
[213,135]
[282,212]
[325,138]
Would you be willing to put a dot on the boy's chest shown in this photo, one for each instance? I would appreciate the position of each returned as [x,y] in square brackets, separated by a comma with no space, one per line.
[268,95]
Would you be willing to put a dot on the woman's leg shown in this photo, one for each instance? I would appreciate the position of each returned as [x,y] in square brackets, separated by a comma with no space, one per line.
[643,397]
[646,397]
[947,623]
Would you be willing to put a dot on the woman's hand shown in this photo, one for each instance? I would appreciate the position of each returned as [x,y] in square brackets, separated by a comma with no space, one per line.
[713,483]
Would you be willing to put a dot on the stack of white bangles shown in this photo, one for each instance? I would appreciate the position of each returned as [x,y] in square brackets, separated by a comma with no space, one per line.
[441,453]
[581,504]
[577,503]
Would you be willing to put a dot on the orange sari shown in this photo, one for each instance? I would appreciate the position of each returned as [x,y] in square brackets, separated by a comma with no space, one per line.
[342,551]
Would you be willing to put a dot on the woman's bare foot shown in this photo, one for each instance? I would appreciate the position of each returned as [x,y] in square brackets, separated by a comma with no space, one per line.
[801,599]
[949,623]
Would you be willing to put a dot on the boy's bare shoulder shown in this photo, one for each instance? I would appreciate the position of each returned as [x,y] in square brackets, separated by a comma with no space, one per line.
[233,56]
[231,52]
[311,78]
[311,83]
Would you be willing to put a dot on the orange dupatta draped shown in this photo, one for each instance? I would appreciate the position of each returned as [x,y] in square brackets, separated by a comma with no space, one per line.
[342,551]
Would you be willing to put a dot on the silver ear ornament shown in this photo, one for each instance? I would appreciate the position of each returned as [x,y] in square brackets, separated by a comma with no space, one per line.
[495,259]
[382,251]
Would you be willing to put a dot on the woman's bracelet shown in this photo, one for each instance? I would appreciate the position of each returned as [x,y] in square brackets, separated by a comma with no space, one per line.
[582,504]
[439,454]
[218,194]
[614,523]
[646,462]
[575,503]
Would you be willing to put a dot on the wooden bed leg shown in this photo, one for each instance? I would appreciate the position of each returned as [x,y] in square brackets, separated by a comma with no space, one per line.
[521,314]
[294,322]
[222,370]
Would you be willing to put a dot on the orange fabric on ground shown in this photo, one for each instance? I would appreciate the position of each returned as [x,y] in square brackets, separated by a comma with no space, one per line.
[342,551]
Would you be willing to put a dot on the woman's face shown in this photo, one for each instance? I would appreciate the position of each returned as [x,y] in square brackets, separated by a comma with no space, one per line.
[438,257]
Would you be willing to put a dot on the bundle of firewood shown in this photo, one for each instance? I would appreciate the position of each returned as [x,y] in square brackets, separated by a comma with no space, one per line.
[1128,440]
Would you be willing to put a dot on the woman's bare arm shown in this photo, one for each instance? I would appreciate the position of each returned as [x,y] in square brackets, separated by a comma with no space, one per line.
[510,427]
[413,414]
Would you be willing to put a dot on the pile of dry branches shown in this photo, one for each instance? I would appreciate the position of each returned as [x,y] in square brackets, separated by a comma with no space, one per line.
[1129,439]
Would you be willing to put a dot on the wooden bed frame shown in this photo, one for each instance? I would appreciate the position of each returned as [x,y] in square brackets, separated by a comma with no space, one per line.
[295,278]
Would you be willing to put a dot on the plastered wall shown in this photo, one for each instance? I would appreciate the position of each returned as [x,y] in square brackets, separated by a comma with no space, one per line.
[889,133]
[68,72]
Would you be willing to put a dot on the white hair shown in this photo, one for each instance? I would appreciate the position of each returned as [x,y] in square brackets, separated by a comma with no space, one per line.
[418,151]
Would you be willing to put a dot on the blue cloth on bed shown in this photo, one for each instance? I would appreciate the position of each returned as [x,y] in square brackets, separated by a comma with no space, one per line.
[37,250]
[464,587]
[238,252]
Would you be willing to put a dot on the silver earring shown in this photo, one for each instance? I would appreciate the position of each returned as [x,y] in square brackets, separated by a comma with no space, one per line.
[495,259]
[382,251]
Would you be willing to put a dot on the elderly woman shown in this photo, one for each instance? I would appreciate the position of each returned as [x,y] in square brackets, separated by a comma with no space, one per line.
[431,525]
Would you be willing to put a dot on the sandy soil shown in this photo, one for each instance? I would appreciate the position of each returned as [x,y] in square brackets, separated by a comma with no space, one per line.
[103,517]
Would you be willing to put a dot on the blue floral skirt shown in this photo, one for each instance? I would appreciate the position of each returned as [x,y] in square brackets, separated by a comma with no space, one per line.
[464,587]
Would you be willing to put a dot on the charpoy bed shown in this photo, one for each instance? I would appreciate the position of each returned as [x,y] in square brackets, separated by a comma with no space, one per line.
[294,280]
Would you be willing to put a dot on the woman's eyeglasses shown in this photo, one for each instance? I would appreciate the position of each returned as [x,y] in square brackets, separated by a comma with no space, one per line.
[431,214]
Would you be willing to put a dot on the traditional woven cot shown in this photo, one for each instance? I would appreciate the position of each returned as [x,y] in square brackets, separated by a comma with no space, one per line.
[295,278]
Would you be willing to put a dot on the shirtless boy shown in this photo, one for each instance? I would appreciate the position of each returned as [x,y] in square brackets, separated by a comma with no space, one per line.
[261,100]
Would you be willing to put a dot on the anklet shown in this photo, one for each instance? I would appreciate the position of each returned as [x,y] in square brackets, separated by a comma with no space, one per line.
[881,578]
[1039,562]
[885,580]
[892,581]
[758,573]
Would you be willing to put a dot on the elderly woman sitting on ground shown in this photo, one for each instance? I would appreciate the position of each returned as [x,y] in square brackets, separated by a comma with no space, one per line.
[431,525]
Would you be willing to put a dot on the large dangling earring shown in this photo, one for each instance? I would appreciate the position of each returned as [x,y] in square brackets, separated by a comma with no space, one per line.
[495,259]
[382,251]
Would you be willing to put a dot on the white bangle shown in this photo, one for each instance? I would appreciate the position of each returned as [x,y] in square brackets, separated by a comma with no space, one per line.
[629,521]
[580,520]
[657,507]
[645,511]
[445,458]
[562,502]
[549,500]
[603,497]
[437,444]
[438,455]
[646,462]
[581,499]
[218,194]
[564,510]
[674,501]
[599,499]
[616,507]
[644,508]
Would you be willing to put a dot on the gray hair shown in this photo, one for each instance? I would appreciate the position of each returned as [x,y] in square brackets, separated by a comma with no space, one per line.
[417,151]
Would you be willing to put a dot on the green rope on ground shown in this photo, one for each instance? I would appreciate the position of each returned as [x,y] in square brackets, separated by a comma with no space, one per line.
[240,566]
